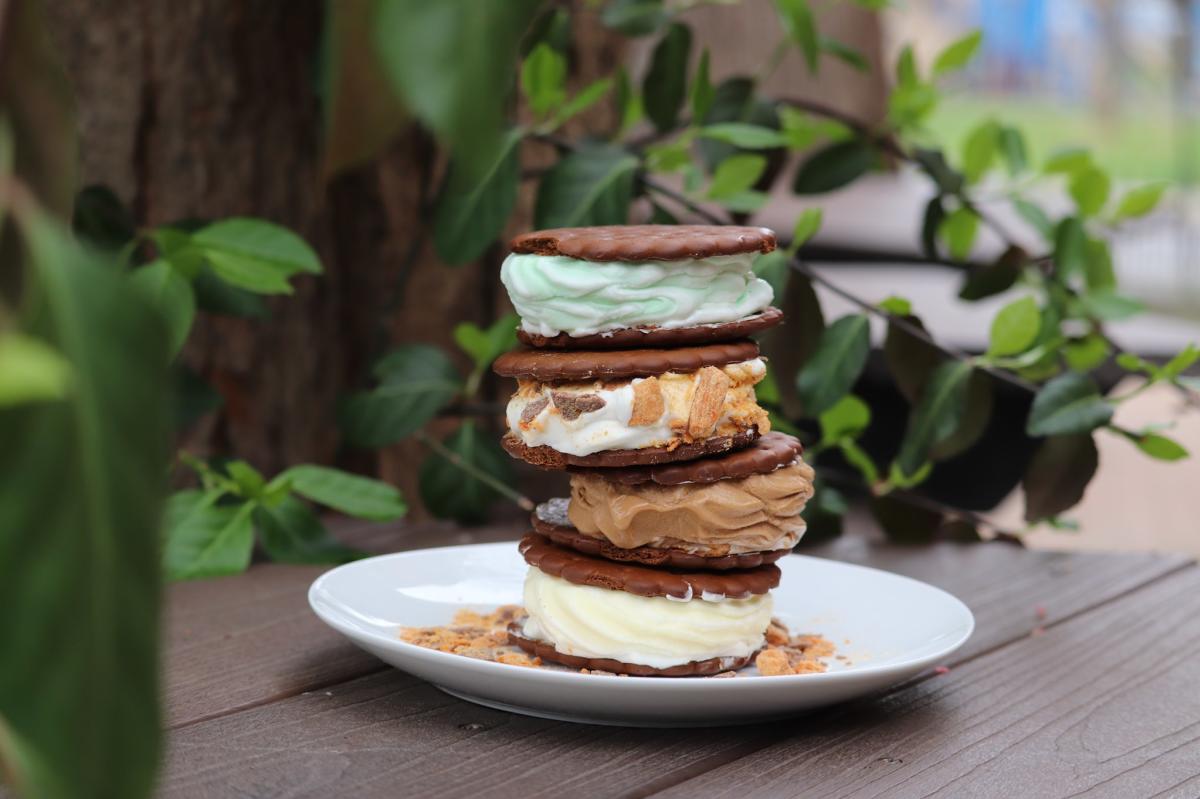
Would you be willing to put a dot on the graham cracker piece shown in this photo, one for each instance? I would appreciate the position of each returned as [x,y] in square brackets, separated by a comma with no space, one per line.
[648,404]
[707,401]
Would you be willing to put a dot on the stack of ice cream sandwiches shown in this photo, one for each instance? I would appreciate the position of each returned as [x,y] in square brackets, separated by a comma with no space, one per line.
[637,377]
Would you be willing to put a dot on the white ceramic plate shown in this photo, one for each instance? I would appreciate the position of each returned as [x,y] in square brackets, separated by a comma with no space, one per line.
[889,627]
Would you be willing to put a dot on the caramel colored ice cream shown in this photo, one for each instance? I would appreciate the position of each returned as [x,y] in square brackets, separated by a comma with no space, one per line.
[754,514]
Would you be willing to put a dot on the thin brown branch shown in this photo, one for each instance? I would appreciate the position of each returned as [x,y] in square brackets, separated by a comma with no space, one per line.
[523,502]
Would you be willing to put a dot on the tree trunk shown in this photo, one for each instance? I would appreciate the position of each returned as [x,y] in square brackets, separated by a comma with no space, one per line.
[207,108]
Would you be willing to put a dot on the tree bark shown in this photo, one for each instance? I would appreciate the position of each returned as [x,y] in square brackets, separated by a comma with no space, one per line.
[207,108]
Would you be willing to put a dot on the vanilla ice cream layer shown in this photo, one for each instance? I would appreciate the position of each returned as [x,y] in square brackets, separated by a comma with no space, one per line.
[556,294]
[608,426]
[658,632]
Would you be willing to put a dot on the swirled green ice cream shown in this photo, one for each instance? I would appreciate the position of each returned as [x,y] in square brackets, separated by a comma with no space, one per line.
[556,294]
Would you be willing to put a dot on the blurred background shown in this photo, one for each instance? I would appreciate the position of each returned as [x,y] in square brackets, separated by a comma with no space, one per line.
[189,110]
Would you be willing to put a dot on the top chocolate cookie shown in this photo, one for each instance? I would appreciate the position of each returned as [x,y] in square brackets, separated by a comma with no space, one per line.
[645,242]
[638,286]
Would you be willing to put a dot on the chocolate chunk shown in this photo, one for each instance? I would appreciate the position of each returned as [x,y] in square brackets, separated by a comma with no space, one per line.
[565,365]
[768,453]
[576,567]
[549,519]
[572,406]
[533,409]
[634,337]
[549,458]
[645,242]
[694,668]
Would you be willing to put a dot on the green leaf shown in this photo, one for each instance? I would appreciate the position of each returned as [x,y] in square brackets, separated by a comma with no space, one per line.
[1098,270]
[1184,359]
[30,371]
[171,297]
[1140,201]
[628,102]
[1108,306]
[218,297]
[83,483]
[807,225]
[416,381]
[958,53]
[958,230]
[735,175]
[591,186]
[1161,447]
[249,480]
[1015,327]
[1090,189]
[798,129]
[361,112]
[848,417]
[452,62]
[1057,476]
[1070,247]
[835,166]
[905,523]
[250,274]
[798,21]
[101,219]
[975,420]
[931,223]
[906,67]
[351,494]
[933,163]
[451,493]
[260,241]
[1070,403]
[857,457]
[204,539]
[665,85]
[1132,363]
[910,105]
[473,208]
[635,17]
[1013,150]
[835,365]
[584,100]
[740,134]
[1035,216]
[936,415]
[994,278]
[485,346]
[1067,161]
[745,202]
[291,533]
[669,156]
[544,79]
[909,359]
[980,150]
[1085,354]
[845,53]
[703,91]
[896,305]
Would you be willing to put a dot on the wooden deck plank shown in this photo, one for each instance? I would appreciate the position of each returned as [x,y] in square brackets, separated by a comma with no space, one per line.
[388,729]
[237,642]
[1102,705]
[241,641]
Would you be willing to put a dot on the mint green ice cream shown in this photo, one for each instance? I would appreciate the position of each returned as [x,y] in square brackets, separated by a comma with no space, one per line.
[556,294]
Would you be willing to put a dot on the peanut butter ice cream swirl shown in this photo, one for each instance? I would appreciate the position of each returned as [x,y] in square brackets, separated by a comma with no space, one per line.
[757,513]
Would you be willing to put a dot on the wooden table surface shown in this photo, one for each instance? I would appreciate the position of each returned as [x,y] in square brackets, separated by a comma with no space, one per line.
[1082,678]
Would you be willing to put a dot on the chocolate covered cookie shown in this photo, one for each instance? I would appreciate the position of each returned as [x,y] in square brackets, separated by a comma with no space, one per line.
[639,285]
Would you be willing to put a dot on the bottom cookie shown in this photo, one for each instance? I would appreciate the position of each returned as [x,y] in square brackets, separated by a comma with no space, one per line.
[695,668]
[550,520]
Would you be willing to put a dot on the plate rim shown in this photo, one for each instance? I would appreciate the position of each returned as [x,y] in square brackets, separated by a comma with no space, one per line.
[434,656]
